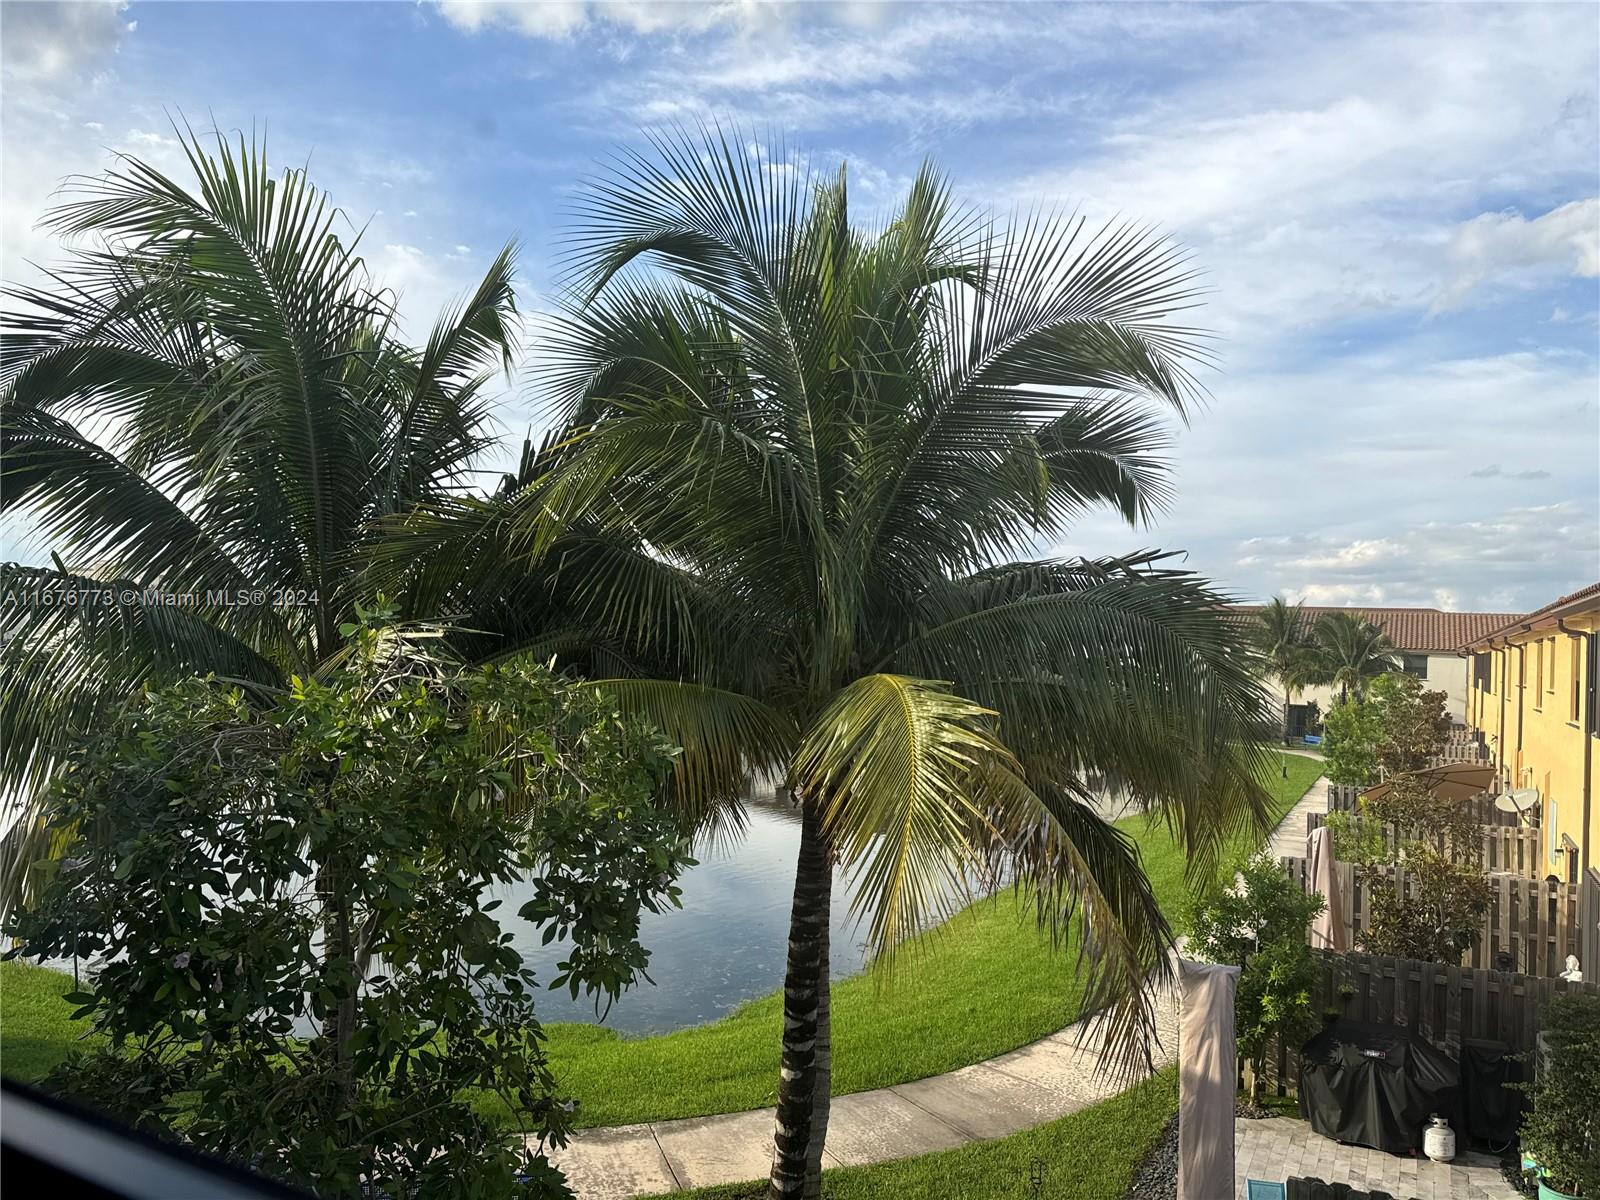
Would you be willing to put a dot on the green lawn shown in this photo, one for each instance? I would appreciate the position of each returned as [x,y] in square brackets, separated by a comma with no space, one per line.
[985,983]
[36,1028]
[1091,1155]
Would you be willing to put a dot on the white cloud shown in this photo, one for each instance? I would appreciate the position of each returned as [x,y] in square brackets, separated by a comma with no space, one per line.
[1495,245]
[44,40]
[146,137]
[562,18]
[1484,563]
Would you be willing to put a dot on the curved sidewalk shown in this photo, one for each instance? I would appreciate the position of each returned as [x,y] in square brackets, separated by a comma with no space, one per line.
[1050,1078]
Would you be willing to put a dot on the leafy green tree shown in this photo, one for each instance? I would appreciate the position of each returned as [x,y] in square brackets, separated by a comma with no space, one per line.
[1258,922]
[1562,1128]
[1439,846]
[798,462]
[1352,732]
[203,414]
[1348,652]
[1283,638]
[323,867]
[1414,723]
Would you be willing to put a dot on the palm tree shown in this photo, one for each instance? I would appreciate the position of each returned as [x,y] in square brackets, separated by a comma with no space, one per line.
[1348,649]
[796,466]
[203,413]
[1282,637]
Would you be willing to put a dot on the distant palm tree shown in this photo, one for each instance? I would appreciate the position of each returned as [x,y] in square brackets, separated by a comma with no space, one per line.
[798,459]
[1348,650]
[1283,636]
[202,414]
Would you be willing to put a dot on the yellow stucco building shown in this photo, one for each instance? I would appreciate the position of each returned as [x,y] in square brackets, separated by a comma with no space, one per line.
[1533,690]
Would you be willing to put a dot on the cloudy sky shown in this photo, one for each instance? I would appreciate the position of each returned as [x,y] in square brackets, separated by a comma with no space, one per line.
[1397,208]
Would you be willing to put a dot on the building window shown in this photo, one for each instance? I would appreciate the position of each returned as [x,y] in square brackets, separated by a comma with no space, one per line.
[1538,674]
[1415,664]
[1483,672]
[1550,679]
[1577,680]
[1591,685]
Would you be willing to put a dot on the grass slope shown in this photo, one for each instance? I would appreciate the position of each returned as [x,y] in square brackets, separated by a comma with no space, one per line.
[1090,1155]
[985,983]
[36,1026]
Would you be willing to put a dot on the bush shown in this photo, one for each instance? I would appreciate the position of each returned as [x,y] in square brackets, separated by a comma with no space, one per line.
[1351,732]
[291,903]
[1562,1129]
[1259,923]
[1413,724]
[1439,846]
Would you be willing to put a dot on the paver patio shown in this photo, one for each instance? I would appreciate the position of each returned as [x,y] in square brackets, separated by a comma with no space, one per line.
[1278,1148]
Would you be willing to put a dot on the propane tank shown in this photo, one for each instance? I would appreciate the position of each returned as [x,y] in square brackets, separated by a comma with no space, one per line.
[1439,1140]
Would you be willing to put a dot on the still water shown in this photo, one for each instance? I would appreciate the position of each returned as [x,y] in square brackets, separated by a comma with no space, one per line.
[726,945]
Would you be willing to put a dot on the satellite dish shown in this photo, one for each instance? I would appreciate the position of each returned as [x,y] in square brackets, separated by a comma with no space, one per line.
[1522,801]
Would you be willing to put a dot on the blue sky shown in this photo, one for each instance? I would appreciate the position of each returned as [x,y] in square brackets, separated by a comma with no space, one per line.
[1397,208]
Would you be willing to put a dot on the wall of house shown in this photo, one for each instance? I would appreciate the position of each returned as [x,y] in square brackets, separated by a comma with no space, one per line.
[1531,713]
[1447,673]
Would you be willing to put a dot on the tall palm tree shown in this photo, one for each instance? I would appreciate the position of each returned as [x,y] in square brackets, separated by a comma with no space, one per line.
[1283,637]
[1348,650]
[202,414]
[797,464]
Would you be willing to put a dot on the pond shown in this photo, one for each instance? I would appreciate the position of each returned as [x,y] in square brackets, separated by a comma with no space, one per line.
[726,945]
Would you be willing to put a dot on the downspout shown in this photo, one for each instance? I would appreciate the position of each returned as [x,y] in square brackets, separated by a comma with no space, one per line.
[1505,688]
[1522,700]
[1585,720]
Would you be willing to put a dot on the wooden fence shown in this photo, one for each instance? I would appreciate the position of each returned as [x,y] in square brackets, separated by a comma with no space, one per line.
[1513,850]
[1533,920]
[1589,922]
[1443,1004]
[1345,797]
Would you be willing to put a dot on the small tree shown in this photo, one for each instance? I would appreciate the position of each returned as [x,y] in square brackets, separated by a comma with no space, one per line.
[1259,923]
[1352,731]
[1413,723]
[291,906]
[1439,846]
[1562,1129]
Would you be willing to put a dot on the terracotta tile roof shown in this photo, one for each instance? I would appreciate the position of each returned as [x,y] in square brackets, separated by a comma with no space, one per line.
[1421,630]
[1581,600]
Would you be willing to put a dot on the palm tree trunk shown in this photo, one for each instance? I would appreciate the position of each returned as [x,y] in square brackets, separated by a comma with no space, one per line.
[803,1082]
[824,1057]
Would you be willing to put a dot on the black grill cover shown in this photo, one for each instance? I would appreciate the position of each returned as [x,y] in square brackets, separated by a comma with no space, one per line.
[1375,1085]
[1490,1111]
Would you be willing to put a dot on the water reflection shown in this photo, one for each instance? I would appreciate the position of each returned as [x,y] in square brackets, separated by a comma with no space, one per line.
[726,945]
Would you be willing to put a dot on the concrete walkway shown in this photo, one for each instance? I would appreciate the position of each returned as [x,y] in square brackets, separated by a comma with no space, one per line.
[1050,1078]
[1289,838]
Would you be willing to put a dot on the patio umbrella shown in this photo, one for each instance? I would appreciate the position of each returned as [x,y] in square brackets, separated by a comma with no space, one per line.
[1453,781]
[1208,1079]
[1327,928]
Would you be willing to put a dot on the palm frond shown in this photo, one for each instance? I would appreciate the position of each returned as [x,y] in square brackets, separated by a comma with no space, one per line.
[725,738]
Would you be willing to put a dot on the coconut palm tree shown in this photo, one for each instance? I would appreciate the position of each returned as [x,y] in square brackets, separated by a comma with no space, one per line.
[1347,650]
[799,469]
[202,413]
[1282,635]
